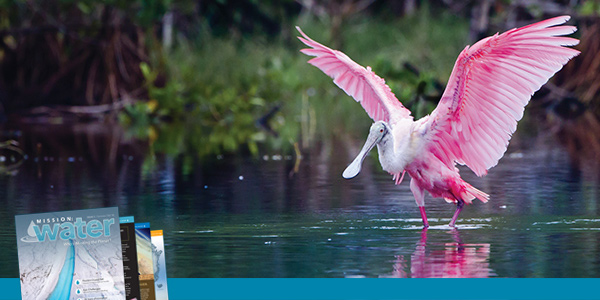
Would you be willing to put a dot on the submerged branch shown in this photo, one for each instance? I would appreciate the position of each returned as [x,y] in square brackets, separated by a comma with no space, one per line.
[82,110]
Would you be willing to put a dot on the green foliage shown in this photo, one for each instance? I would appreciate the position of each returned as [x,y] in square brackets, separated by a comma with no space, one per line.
[218,88]
[249,17]
[19,13]
[590,8]
[217,95]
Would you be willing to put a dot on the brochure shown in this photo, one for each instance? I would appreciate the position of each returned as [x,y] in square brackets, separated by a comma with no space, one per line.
[70,255]
[145,264]
[130,262]
[160,268]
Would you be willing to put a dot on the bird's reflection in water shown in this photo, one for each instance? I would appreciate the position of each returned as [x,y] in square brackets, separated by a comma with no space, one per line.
[448,260]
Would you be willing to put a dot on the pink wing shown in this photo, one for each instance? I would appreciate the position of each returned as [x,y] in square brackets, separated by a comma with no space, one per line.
[490,85]
[361,84]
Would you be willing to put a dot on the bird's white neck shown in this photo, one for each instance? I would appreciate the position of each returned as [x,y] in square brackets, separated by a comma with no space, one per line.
[395,150]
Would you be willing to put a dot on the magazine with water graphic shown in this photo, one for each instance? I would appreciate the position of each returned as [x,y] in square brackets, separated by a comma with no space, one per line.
[145,261]
[130,262]
[160,267]
[71,255]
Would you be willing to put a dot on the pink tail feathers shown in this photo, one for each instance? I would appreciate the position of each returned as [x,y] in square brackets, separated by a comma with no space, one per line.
[471,193]
[467,193]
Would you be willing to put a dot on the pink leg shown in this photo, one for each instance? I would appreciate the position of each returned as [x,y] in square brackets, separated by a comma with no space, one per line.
[459,207]
[420,199]
[424,216]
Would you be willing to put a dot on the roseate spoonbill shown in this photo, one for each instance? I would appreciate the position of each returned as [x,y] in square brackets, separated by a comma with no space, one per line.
[490,84]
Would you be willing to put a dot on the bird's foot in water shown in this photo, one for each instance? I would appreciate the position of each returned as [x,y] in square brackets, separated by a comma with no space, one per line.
[424,217]
[459,207]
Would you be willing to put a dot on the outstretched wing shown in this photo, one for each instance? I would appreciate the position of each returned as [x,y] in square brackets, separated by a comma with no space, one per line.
[490,85]
[358,82]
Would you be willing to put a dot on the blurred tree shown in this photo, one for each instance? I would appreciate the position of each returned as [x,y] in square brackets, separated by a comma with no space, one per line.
[247,17]
[336,12]
[74,52]
[581,77]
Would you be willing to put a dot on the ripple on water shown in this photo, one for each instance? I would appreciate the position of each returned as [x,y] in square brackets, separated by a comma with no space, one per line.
[406,220]
[418,220]
[386,227]
[461,226]
[567,222]
[194,231]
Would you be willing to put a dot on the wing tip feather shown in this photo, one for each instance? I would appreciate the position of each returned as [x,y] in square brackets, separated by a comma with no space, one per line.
[544,30]
[389,108]
[310,42]
[301,32]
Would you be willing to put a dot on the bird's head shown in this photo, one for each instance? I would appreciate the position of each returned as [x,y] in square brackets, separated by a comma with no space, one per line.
[377,132]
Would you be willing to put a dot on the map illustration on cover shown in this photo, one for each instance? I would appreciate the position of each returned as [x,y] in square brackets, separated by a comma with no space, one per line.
[70,255]
[160,267]
[145,263]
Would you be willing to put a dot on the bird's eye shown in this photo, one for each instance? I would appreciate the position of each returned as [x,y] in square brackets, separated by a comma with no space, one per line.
[381,130]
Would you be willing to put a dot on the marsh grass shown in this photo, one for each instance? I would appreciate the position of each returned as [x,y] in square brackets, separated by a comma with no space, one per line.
[217,88]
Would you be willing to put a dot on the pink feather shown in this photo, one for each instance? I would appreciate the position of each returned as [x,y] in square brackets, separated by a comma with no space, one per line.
[490,85]
[358,82]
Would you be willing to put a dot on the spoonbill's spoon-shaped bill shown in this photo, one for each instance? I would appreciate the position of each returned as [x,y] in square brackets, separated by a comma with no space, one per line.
[490,84]
[376,133]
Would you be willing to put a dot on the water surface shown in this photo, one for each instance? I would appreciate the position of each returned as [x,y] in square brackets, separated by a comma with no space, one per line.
[236,216]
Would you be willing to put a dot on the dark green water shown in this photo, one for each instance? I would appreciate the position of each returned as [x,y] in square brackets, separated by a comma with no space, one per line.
[255,217]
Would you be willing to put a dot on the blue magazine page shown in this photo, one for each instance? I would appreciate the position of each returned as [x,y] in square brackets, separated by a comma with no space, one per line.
[70,255]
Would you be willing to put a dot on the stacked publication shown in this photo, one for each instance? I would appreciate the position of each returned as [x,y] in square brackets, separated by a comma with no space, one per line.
[89,254]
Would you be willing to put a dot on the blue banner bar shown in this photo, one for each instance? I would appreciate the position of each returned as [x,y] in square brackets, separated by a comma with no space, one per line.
[142,225]
[350,289]
[127,219]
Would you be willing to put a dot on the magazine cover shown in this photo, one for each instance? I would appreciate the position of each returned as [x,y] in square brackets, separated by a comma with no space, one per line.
[160,267]
[70,255]
[130,263]
[145,264]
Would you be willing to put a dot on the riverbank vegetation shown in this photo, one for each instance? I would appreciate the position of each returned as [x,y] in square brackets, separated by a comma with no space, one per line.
[231,93]
[221,77]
